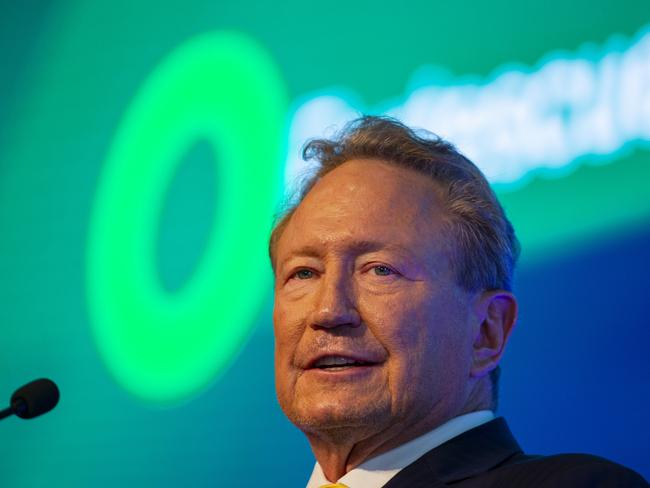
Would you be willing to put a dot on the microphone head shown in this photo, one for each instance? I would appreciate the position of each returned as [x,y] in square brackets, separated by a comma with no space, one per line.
[35,398]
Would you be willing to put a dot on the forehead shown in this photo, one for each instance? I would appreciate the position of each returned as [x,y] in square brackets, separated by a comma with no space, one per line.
[367,201]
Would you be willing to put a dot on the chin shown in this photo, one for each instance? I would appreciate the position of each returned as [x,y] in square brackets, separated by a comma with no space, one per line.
[330,416]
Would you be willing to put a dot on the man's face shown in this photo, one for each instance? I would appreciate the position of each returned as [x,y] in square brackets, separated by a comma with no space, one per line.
[372,331]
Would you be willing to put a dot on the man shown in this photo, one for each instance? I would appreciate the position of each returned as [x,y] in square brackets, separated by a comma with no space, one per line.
[393,306]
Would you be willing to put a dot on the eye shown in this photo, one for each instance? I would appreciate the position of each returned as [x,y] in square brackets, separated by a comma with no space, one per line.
[303,274]
[383,270]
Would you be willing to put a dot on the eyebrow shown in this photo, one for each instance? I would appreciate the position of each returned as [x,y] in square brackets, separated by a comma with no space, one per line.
[358,246]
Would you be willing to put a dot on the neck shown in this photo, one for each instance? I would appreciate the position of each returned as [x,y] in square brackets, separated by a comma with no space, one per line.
[339,451]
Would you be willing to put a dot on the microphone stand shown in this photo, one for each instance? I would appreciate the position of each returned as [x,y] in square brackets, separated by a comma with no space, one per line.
[6,413]
[17,407]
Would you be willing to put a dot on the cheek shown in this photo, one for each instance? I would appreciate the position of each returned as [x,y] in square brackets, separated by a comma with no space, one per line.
[426,344]
[399,327]
[285,346]
[288,324]
[404,327]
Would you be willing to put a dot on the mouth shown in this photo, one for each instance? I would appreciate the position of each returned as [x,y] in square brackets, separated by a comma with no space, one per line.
[333,363]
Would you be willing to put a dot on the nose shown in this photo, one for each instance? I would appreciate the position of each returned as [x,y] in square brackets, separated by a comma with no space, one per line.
[335,302]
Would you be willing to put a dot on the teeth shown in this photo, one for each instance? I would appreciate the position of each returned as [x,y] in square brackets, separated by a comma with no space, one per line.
[335,361]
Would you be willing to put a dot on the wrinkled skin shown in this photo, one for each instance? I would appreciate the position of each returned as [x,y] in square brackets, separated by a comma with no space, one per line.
[363,270]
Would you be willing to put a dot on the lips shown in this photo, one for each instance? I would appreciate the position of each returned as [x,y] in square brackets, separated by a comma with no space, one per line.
[335,361]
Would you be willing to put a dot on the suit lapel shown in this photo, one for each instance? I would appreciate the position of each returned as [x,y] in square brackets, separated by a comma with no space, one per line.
[473,452]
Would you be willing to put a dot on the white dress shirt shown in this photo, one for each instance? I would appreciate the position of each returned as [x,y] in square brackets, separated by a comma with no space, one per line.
[375,472]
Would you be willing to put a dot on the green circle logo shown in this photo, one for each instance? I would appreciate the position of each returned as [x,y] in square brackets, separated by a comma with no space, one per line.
[163,346]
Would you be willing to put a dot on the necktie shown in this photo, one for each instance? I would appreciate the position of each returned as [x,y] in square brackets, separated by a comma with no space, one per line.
[335,485]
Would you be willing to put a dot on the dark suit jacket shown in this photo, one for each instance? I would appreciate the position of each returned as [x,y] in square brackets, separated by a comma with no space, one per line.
[489,456]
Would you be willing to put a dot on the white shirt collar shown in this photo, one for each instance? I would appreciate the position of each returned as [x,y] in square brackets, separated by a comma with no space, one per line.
[375,472]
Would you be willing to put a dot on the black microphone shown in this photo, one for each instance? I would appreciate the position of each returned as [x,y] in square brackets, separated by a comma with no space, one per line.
[33,399]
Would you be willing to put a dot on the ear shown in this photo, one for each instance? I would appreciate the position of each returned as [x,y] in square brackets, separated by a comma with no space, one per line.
[497,314]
